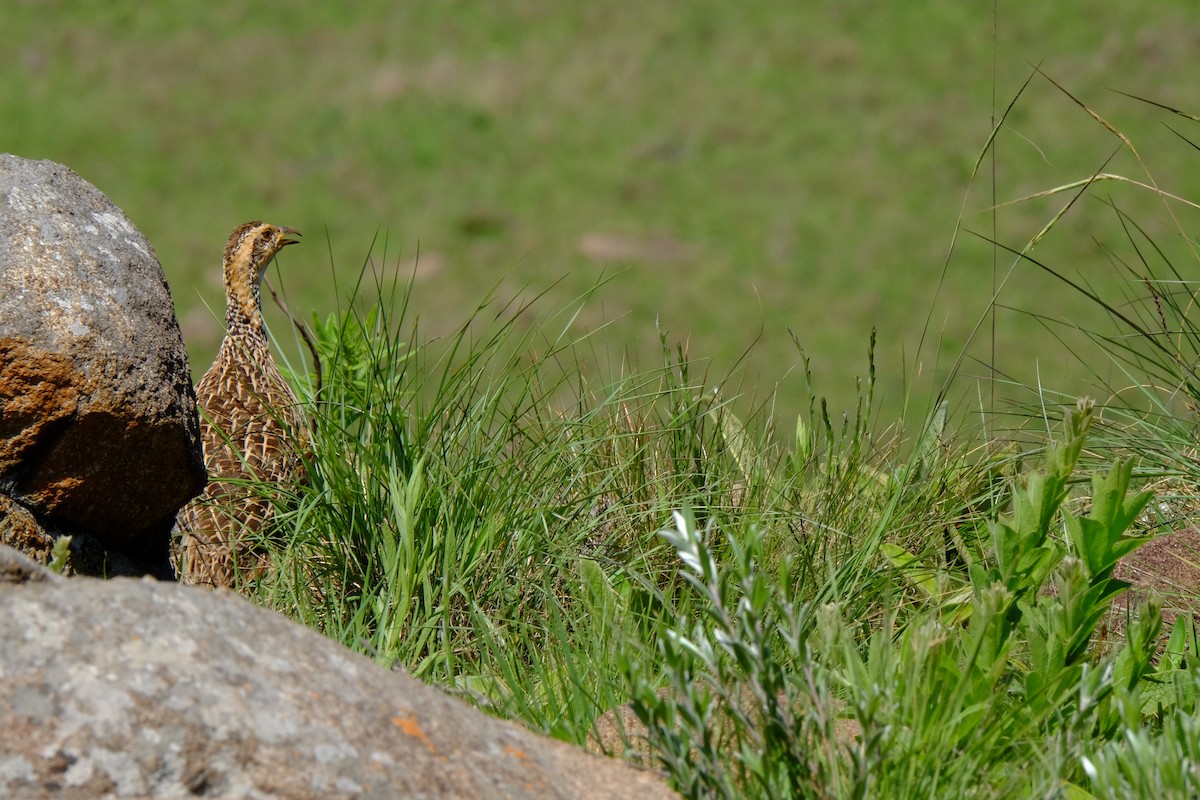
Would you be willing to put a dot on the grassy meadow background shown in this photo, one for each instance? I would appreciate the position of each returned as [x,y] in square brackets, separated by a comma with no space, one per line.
[804,609]
[739,169]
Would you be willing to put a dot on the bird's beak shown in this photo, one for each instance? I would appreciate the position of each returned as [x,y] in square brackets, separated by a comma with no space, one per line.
[287,234]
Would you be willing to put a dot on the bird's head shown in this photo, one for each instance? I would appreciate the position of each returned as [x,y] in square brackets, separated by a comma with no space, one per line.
[252,246]
[250,249]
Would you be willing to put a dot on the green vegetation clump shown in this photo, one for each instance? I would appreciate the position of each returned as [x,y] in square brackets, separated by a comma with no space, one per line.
[845,611]
[762,604]
[848,610]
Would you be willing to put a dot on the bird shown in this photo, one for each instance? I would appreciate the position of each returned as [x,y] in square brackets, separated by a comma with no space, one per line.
[250,427]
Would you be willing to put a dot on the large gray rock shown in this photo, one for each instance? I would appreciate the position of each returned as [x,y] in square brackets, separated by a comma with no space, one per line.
[133,688]
[98,424]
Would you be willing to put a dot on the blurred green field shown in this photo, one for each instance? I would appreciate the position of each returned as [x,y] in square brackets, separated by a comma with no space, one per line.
[741,169]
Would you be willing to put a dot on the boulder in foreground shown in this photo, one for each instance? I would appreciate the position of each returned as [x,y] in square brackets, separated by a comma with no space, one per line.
[134,688]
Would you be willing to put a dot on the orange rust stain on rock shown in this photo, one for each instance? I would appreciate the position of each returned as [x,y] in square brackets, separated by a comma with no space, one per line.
[412,728]
[37,389]
[515,753]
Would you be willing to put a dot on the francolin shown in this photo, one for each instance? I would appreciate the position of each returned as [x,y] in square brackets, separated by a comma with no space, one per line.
[250,426]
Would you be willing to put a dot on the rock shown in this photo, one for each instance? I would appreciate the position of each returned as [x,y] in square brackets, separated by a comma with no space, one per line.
[98,424]
[18,568]
[21,529]
[134,688]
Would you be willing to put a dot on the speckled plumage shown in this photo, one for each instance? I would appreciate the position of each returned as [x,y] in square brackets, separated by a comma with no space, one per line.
[250,426]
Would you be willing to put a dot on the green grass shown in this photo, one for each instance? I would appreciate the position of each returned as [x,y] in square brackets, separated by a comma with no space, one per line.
[521,515]
[850,610]
[746,170]
[550,547]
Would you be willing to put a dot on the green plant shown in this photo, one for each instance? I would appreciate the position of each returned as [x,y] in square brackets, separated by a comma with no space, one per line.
[60,555]
[1145,763]
[1008,697]
[476,506]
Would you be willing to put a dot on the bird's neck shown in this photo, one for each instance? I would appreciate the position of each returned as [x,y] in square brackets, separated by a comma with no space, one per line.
[243,312]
